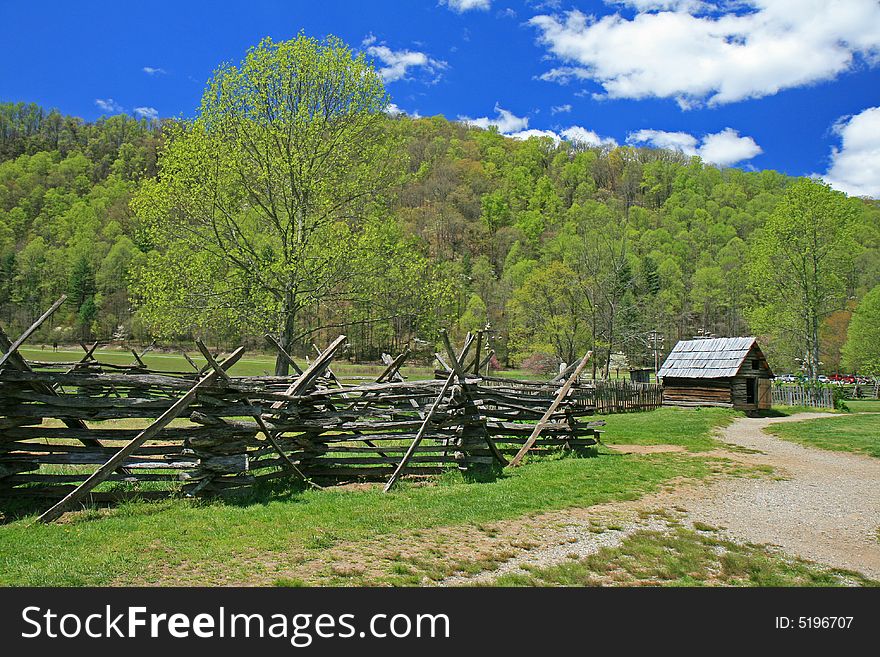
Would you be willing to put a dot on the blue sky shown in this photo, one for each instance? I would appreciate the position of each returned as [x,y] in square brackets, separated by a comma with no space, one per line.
[792,85]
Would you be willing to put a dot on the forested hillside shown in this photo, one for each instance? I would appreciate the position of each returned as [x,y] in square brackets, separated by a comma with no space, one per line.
[559,247]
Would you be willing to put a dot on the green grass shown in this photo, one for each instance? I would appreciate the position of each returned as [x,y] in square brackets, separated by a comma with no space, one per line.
[682,557]
[691,428]
[785,411]
[863,406]
[216,543]
[251,364]
[858,433]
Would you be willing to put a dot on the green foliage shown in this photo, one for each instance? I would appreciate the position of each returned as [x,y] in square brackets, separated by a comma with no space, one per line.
[267,189]
[861,353]
[802,262]
[566,247]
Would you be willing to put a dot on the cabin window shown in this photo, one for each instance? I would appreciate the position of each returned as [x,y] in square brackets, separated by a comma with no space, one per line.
[756,364]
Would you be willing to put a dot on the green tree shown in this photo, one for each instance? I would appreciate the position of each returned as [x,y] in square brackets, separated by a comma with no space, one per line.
[861,352]
[475,315]
[801,263]
[268,185]
[548,314]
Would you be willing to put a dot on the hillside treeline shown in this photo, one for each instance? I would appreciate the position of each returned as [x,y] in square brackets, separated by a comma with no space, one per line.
[556,247]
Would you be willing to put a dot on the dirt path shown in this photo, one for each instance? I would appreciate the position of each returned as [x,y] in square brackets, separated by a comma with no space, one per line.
[826,509]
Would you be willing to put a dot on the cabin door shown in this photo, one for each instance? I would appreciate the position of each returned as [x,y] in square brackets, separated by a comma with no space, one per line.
[752,391]
[765,396]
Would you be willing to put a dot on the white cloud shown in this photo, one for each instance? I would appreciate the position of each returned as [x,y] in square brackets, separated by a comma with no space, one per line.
[522,135]
[663,5]
[461,6]
[726,148]
[395,110]
[558,109]
[855,166]
[517,127]
[676,141]
[506,122]
[147,112]
[369,40]
[108,105]
[151,70]
[712,53]
[399,62]
[586,137]
[723,148]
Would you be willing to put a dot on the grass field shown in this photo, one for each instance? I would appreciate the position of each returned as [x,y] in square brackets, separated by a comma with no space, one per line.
[691,428]
[780,411]
[856,432]
[863,405]
[251,364]
[268,534]
[272,535]
[684,557]
[217,542]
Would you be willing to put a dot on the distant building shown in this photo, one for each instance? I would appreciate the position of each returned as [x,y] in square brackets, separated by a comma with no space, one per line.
[640,375]
[731,372]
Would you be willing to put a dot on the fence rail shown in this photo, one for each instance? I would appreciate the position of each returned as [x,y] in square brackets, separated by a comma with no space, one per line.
[860,390]
[798,395]
[209,431]
[602,396]
[620,396]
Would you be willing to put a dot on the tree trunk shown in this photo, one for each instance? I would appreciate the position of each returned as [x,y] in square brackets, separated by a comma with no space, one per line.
[287,333]
[610,342]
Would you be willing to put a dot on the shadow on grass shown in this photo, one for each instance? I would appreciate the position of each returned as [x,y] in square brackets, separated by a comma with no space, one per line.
[13,509]
[263,493]
[770,412]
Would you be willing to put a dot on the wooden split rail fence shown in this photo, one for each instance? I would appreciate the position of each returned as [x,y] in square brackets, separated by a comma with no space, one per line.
[89,430]
[603,397]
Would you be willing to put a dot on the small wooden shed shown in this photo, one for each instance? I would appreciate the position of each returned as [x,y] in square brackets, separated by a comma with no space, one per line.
[730,372]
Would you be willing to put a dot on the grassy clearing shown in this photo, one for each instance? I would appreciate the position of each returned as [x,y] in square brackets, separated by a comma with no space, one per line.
[252,364]
[863,405]
[683,557]
[858,433]
[691,428]
[213,543]
[785,411]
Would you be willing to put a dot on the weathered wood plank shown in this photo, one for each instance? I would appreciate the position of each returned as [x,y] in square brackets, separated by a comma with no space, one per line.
[563,391]
[150,432]
[13,348]
[424,428]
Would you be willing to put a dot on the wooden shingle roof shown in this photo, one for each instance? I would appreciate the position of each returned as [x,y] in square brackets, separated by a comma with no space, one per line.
[706,358]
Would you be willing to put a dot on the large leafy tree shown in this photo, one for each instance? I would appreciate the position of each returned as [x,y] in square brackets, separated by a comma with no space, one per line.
[861,353]
[259,200]
[802,263]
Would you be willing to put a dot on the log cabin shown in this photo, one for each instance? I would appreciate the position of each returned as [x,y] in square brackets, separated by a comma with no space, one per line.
[729,372]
